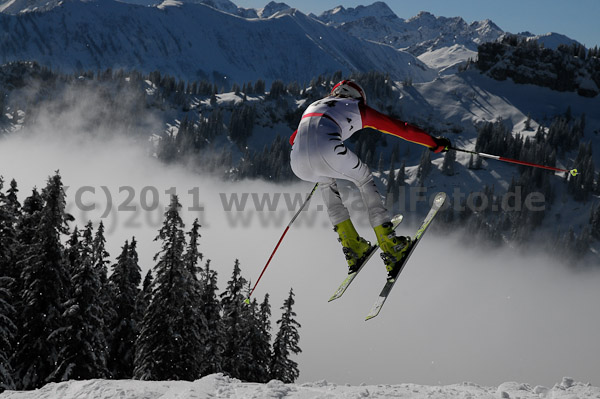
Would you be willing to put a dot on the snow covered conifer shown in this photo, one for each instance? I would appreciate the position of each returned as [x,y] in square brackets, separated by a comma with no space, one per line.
[144,297]
[424,166]
[9,212]
[45,284]
[83,350]
[236,353]
[401,175]
[99,253]
[211,309]
[286,344]
[124,281]
[192,255]
[595,222]
[8,331]
[73,250]
[169,345]
[448,164]
[259,341]
[8,328]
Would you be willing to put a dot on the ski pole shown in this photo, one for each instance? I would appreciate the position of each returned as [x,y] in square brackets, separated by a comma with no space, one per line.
[247,301]
[572,172]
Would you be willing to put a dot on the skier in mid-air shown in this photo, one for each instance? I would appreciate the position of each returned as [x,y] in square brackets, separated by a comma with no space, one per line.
[320,156]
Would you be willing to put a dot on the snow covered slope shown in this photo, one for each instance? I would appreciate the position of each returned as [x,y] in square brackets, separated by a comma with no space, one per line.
[194,41]
[17,6]
[204,39]
[219,386]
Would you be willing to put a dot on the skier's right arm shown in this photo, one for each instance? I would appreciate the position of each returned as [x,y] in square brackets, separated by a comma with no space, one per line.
[374,119]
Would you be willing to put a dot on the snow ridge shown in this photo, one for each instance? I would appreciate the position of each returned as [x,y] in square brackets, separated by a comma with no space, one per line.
[217,385]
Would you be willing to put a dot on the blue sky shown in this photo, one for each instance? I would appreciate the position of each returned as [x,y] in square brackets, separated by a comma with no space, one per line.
[578,19]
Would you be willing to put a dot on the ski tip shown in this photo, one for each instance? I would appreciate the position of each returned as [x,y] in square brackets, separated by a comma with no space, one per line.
[335,296]
[440,197]
[247,301]
[397,219]
[371,316]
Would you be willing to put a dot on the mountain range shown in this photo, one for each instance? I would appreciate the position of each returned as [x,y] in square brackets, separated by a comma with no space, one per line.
[219,41]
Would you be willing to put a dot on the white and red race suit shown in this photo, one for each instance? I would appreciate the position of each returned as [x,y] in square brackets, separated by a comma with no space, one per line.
[319,154]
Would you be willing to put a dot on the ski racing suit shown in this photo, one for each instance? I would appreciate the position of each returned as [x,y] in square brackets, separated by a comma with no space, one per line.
[319,154]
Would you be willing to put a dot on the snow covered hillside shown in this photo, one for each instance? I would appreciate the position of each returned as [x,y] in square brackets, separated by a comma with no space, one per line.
[217,40]
[194,41]
[219,386]
[244,134]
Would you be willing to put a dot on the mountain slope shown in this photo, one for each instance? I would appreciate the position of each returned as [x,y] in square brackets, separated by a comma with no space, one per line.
[17,6]
[194,41]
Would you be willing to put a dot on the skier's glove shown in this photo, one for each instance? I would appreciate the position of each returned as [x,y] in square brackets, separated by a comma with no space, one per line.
[442,144]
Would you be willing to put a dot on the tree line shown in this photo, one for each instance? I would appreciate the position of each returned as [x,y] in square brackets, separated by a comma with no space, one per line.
[64,316]
[568,68]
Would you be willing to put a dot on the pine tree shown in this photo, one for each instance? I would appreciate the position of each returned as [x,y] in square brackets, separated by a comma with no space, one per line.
[8,274]
[286,344]
[401,177]
[100,255]
[192,255]
[124,281]
[73,251]
[211,309]
[448,164]
[100,262]
[169,346]
[259,341]
[595,222]
[144,297]
[45,284]
[236,354]
[528,122]
[8,332]
[424,166]
[83,349]
[9,212]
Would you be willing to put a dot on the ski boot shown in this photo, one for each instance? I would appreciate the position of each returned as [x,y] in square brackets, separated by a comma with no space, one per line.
[392,247]
[355,247]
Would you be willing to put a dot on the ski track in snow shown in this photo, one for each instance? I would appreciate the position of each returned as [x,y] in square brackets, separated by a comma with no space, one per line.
[220,386]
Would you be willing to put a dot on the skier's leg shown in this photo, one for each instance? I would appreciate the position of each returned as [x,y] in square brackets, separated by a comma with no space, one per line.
[345,164]
[378,213]
[354,246]
[336,209]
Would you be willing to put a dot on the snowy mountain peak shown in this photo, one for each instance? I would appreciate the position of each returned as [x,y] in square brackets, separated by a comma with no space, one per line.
[552,40]
[423,16]
[486,31]
[271,9]
[340,15]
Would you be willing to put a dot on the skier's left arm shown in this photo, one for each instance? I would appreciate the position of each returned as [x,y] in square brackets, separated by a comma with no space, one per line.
[374,119]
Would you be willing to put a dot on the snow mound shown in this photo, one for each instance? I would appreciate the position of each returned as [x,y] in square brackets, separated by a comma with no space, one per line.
[220,386]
